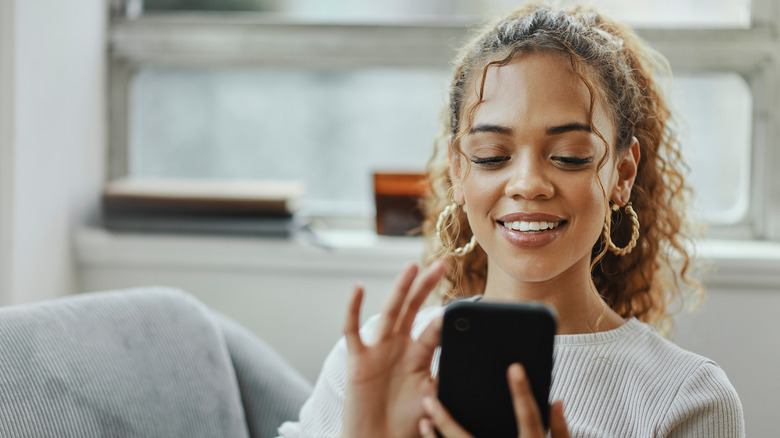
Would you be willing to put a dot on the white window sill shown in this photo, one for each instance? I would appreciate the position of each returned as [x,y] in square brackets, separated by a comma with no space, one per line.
[332,251]
[738,265]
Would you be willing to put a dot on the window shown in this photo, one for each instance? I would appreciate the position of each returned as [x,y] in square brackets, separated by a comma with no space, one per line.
[716,115]
[290,89]
[327,128]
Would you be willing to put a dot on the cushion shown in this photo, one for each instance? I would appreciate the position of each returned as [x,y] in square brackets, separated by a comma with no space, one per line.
[135,363]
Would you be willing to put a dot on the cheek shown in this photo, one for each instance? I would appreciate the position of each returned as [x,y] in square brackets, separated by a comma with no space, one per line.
[587,197]
[596,189]
[478,189]
[591,202]
[608,176]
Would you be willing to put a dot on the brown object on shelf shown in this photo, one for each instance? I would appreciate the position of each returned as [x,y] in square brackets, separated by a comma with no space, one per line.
[398,196]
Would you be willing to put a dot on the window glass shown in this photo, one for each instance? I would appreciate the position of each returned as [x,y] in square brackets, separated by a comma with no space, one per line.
[656,13]
[329,129]
[716,136]
[332,129]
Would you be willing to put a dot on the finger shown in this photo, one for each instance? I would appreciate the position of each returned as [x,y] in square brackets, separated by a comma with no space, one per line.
[421,288]
[431,336]
[558,427]
[442,419]
[428,341]
[352,323]
[394,304]
[529,421]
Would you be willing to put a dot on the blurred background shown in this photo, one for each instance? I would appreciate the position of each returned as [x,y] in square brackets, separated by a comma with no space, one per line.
[323,94]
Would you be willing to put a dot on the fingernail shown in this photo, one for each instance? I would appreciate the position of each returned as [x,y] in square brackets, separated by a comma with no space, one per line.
[518,371]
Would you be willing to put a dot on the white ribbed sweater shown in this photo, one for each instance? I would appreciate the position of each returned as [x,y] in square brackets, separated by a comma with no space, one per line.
[627,382]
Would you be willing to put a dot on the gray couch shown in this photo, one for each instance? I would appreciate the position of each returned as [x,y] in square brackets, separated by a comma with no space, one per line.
[150,362]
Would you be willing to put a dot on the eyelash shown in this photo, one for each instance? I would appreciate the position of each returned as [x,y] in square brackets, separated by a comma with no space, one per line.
[489,161]
[565,161]
[573,161]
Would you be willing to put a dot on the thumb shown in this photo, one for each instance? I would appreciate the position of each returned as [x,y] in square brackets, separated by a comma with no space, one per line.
[558,427]
[427,342]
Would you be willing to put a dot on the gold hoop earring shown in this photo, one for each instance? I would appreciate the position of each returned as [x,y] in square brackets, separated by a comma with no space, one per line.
[458,252]
[634,232]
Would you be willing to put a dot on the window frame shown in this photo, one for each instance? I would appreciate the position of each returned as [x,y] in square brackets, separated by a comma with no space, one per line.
[255,39]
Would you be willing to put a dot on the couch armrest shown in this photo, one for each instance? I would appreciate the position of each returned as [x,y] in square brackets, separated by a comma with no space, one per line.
[272,391]
[132,363]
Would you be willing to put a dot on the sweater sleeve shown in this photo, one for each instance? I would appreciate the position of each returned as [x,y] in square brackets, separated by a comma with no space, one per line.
[706,405]
[322,414]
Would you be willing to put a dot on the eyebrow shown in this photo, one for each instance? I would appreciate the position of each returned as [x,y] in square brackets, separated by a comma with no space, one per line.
[486,127]
[553,130]
[569,127]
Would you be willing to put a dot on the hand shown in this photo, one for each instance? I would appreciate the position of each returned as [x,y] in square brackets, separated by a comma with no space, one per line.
[529,420]
[388,378]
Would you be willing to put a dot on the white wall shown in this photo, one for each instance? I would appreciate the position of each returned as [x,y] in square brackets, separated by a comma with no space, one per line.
[58,69]
[7,100]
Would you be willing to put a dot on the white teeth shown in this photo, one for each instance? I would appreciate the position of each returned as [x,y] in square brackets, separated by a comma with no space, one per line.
[531,226]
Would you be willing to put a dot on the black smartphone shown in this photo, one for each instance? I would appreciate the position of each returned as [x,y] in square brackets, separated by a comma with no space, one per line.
[479,341]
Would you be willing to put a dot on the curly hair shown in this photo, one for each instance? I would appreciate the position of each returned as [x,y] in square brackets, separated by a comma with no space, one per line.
[618,70]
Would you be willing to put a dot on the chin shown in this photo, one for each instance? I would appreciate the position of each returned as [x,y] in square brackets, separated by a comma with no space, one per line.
[530,272]
[536,269]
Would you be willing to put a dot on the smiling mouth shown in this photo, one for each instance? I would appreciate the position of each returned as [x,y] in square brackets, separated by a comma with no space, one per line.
[531,226]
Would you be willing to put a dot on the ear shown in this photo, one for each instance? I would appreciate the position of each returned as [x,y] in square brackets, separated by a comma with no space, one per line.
[627,166]
[455,174]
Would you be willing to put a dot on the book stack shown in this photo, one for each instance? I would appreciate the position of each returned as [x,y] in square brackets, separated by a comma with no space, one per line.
[264,208]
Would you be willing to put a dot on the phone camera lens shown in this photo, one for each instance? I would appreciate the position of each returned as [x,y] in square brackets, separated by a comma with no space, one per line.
[462,324]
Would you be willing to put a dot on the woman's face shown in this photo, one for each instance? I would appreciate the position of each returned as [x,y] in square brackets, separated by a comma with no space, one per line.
[533,194]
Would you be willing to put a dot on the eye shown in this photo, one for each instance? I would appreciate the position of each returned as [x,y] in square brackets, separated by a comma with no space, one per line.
[573,162]
[489,162]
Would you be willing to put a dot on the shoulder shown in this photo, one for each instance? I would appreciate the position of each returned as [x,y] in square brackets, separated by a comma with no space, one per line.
[650,351]
[647,382]
[632,346]
[706,404]
[702,401]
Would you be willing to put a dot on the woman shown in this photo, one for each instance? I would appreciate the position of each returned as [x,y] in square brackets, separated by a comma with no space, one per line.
[558,181]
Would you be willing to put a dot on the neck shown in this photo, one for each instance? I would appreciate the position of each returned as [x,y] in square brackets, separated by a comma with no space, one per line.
[572,294]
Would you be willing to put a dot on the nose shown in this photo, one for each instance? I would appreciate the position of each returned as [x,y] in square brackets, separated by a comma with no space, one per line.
[529,181]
